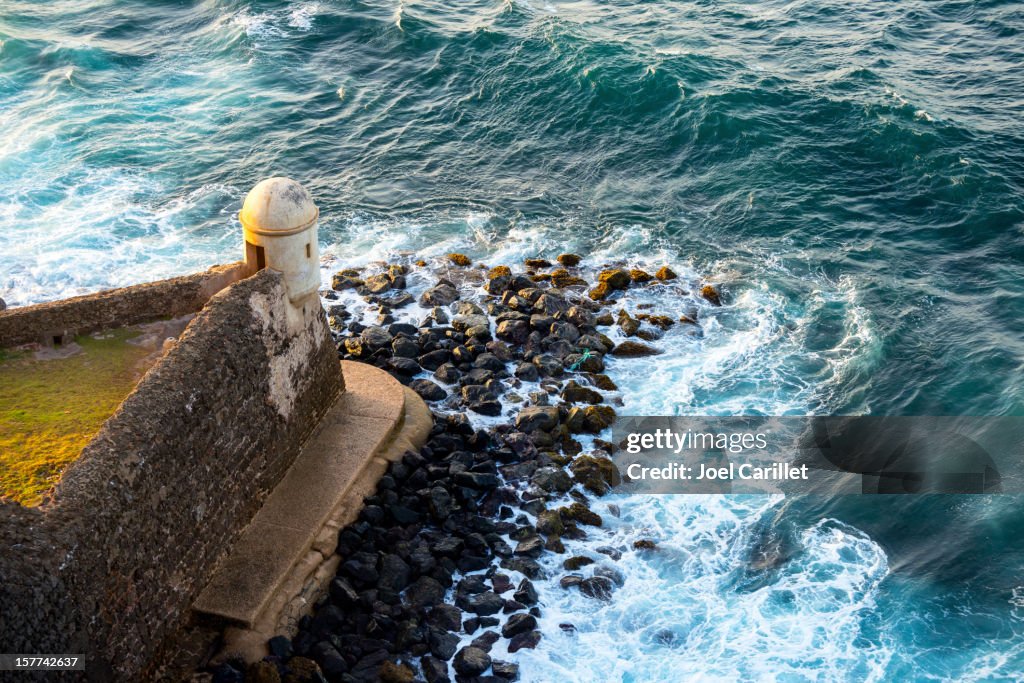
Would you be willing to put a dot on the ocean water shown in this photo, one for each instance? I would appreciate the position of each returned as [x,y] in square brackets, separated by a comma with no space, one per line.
[852,174]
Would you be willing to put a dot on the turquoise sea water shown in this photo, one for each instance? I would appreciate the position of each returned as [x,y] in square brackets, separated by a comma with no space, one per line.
[853,173]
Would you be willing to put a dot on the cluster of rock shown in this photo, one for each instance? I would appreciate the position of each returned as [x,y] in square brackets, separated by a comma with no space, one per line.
[475,508]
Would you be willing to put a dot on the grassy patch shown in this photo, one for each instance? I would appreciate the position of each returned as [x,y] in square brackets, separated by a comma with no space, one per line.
[50,409]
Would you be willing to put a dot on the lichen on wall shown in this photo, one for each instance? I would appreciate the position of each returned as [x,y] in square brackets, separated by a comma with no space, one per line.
[292,334]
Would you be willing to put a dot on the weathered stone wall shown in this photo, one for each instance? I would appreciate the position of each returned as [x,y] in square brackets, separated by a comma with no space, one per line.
[136,525]
[116,307]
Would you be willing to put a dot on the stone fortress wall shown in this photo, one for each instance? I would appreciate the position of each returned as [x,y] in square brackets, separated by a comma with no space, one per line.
[111,563]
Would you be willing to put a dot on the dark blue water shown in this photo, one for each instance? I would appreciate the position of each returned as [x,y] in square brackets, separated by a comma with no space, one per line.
[851,173]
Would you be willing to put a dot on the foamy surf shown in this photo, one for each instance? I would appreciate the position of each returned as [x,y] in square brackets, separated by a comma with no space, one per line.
[679,612]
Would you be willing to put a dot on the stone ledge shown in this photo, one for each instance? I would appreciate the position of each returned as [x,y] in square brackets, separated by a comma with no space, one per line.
[285,558]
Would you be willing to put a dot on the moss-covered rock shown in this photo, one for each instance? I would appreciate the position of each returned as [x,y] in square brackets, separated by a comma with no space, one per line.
[665,273]
[661,321]
[711,293]
[576,562]
[574,392]
[600,292]
[549,523]
[616,278]
[498,279]
[460,259]
[562,278]
[603,382]
[640,276]
[633,349]
[595,474]
[395,673]
[598,418]
[578,512]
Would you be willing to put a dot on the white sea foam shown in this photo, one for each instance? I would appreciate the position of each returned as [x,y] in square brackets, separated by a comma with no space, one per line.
[679,613]
[276,23]
[107,230]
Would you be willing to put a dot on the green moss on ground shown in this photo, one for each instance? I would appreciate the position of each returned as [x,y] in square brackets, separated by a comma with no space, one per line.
[50,409]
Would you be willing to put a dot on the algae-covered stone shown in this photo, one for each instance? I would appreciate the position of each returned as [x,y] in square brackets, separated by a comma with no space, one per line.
[598,418]
[498,279]
[640,276]
[634,349]
[665,273]
[603,382]
[578,512]
[616,278]
[577,562]
[460,259]
[596,474]
[562,278]
[549,523]
[342,280]
[569,260]
[377,284]
[390,672]
[574,392]
[661,321]
[711,293]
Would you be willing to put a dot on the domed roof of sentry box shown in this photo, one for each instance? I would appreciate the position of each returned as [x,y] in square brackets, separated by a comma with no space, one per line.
[278,206]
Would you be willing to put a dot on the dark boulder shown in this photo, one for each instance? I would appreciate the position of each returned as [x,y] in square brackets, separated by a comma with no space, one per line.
[598,587]
[434,670]
[526,593]
[427,390]
[394,573]
[574,392]
[425,592]
[498,280]
[527,372]
[539,417]
[482,604]
[507,670]
[518,623]
[530,639]
[513,331]
[552,479]
[440,295]
[471,661]
[442,643]
[434,359]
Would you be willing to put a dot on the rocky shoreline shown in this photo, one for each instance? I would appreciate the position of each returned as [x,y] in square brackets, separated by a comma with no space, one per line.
[441,562]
